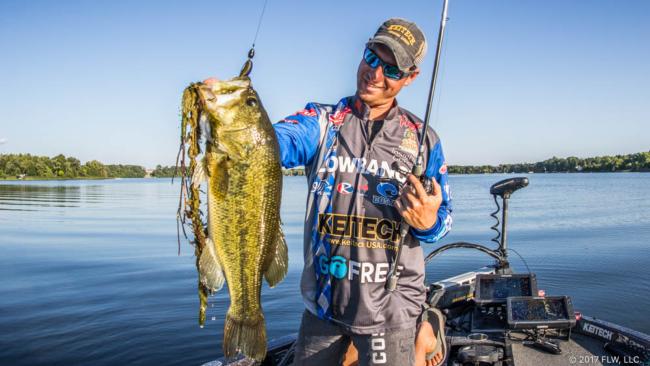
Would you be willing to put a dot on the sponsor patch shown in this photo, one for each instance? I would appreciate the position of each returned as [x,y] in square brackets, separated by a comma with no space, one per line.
[320,187]
[358,227]
[403,33]
[403,157]
[338,116]
[307,112]
[384,201]
[387,194]
[598,331]
[387,190]
[409,142]
[404,121]
[344,188]
[346,164]
[342,268]
[443,169]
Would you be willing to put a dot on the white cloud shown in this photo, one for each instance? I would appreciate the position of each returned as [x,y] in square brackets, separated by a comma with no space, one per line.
[3,140]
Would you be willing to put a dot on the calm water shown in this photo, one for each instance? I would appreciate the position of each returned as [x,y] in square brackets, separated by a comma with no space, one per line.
[89,271]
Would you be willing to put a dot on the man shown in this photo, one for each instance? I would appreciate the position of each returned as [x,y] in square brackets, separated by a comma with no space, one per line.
[355,155]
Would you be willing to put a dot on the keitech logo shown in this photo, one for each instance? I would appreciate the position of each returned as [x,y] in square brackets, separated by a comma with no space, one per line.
[341,268]
[387,194]
[595,330]
[359,227]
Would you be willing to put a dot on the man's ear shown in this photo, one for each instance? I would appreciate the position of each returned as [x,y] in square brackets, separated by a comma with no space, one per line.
[412,76]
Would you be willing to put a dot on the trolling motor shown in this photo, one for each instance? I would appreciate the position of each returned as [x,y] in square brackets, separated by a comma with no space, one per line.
[503,189]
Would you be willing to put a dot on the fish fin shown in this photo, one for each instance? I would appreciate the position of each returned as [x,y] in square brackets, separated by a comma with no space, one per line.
[199,175]
[247,336]
[210,272]
[279,264]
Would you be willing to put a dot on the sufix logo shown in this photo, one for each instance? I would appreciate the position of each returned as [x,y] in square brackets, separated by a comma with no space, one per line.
[387,194]
[341,268]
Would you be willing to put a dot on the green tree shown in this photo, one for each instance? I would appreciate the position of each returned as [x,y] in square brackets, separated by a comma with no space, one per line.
[95,168]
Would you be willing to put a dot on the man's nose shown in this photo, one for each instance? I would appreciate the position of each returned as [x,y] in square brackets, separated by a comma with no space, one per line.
[378,73]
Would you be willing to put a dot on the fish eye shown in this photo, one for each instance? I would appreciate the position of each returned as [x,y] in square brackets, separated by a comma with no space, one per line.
[251,102]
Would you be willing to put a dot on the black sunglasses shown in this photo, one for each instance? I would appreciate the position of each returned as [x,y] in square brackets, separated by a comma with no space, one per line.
[390,71]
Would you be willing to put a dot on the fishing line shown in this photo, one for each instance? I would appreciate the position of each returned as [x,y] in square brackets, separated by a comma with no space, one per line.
[259,23]
[248,65]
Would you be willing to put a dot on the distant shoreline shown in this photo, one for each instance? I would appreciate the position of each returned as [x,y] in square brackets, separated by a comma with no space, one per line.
[44,179]
[15,167]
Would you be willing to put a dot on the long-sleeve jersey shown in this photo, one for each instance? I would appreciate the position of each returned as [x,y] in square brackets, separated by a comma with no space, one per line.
[355,171]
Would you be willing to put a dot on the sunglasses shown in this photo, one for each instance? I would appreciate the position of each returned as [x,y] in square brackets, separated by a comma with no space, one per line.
[390,71]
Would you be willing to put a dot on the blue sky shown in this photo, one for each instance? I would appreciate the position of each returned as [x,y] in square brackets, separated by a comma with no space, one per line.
[520,80]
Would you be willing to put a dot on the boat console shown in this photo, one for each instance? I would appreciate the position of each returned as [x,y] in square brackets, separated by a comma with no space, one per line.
[498,308]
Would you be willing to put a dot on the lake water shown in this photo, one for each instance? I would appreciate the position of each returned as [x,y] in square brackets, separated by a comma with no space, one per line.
[89,271]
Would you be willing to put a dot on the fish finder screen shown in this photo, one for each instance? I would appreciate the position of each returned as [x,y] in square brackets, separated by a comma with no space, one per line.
[538,309]
[499,288]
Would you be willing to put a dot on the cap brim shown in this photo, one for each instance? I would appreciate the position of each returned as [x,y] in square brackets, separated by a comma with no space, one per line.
[404,62]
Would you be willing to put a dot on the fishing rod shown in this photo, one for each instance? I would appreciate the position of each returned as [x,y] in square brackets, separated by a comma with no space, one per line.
[418,168]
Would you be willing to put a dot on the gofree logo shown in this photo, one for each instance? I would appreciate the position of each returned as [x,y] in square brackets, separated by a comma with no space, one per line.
[341,268]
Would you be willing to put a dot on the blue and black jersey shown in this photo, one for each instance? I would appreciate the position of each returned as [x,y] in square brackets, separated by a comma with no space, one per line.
[354,168]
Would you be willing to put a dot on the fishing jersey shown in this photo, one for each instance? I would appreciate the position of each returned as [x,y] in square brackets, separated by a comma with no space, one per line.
[355,170]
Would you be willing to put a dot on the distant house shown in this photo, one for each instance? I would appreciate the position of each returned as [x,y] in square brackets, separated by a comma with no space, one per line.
[21,176]
[148,173]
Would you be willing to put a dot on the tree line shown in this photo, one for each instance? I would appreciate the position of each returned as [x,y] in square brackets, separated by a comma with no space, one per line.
[639,162]
[60,166]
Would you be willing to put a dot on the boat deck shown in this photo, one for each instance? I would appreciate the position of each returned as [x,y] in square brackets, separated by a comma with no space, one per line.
[580,350]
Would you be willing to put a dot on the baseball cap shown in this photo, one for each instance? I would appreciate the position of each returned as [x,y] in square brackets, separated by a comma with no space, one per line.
[404,39]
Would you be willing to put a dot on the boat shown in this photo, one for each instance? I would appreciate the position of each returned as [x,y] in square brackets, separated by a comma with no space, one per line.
[495,317]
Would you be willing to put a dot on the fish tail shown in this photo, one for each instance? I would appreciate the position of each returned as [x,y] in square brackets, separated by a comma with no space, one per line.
[247,336]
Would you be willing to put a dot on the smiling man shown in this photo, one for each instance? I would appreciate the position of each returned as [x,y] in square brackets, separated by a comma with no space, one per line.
[355,155]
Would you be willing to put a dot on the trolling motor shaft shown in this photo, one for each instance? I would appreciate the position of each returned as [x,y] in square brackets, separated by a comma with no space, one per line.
[504,189]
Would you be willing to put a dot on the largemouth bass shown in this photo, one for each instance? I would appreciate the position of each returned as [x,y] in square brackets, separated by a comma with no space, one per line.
[244,241]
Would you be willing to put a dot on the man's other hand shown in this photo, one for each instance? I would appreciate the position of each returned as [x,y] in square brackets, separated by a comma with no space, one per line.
[418,208]
[209,81]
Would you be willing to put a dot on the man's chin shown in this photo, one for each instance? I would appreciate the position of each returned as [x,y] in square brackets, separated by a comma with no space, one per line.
[366,97]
